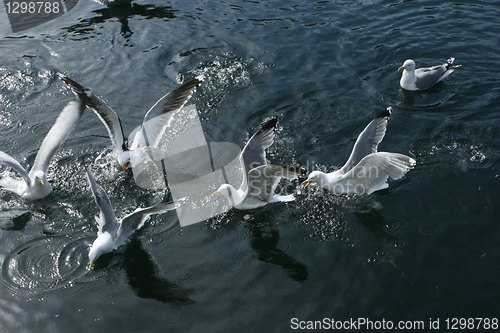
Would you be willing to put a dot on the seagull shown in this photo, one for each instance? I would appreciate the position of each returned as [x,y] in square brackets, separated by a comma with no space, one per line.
[155,120]
[425,77]
[259,178]
[34,185]
[366,170]
[113,233]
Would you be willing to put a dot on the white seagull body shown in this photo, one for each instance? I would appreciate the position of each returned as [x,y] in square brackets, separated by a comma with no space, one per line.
[366,170]
[153,125]
[425,77]
[259,178]
[34,185]
[113,233]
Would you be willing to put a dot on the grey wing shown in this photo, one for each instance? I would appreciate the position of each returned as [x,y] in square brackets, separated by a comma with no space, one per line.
[368,141]
[136,220]
[108,117]
[254,153]
[11,162]
[160,115]
[429,76]
[262,180]
[373,171]
[64,124]
[107,220]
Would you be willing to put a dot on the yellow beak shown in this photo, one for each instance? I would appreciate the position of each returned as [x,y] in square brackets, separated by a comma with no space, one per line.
[125,166]
[307,182]
[215,193]
[400,68]
[42,182]
[91,265]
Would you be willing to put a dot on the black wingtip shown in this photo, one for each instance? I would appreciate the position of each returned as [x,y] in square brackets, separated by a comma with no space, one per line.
[191,84]
[449,64]
[271,123]
[79,90]
[180,95]
[386,113]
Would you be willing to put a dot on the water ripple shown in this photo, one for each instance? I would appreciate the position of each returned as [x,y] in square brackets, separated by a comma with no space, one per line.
[234,265]
[397,226]
[46,263]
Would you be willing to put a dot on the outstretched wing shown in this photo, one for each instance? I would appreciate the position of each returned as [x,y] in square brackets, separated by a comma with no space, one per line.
[368,141]
[160,115]
[262,180]
[107,219]
[254,153]
[372,172]
[136,220]
[108,117]
[64,124]
[11,162]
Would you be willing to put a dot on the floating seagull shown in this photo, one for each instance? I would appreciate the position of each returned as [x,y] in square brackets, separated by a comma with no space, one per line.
[35,186]
[155,120]
[259,178]
[425,77]
[113,233]
[366,171]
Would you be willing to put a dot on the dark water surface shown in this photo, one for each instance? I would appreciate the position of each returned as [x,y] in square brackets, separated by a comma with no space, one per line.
[428,247]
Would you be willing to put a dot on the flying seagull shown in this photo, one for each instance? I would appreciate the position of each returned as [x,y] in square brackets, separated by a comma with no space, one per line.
[155,120]
[34,185]
[113,233]
[425,77]
[366,170]
[259,178]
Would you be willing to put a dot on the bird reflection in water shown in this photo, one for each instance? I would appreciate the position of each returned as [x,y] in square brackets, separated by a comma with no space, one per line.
[122,11]
[264,239]
[14,220]
[144,277]
[390,246]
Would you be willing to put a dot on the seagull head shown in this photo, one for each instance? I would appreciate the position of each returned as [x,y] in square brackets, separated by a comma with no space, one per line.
[228,192]
[224,189]
[126,166]
[126,160]
[103,244]
[314,177]
[39,179]
[409,65]
[94,253]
